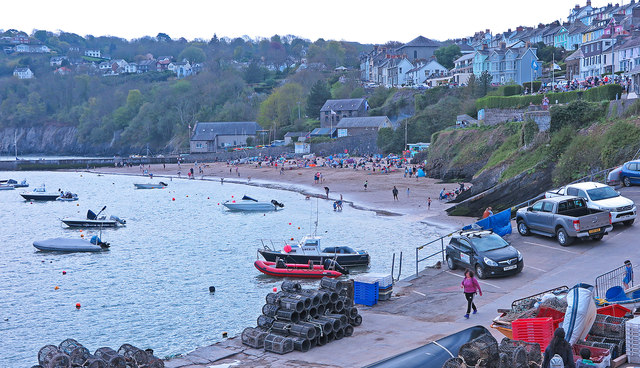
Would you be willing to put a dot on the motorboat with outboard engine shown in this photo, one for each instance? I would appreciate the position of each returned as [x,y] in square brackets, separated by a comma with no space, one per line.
[67,197]
[95,220]
[71,245]
[6,187]
[160,185]
[15,184]
[40,194]
[308,249]
[250,204]
[282,269]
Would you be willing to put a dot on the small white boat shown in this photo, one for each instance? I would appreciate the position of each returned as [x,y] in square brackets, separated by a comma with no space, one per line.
[94,220]
[6,187]
[250,204]
[71,245]
[15,184]
[40,194]
[67,197]
[160,185]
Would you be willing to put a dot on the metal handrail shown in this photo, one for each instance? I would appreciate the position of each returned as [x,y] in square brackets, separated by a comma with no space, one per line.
[441,251]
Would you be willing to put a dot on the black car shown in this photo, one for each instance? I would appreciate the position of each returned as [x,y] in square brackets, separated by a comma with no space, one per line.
[485,252]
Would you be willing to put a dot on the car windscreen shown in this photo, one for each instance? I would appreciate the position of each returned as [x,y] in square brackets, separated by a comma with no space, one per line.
[489,242]
[598,194]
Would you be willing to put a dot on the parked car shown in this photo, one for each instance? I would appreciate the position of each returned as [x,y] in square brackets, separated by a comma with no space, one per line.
[613,178]
[564,217]
[485,252]
[630,173]
[601,197]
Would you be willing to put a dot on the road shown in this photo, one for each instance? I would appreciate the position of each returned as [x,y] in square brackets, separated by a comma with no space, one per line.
[430,306]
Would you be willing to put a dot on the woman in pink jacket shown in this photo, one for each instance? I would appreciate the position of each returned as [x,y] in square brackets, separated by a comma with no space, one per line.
[471,287]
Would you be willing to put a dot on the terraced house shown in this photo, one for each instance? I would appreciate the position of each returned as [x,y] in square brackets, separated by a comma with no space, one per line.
[507,65]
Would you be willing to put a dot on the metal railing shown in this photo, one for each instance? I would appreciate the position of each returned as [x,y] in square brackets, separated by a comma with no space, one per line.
[610,279]
[393,263]
[441,251]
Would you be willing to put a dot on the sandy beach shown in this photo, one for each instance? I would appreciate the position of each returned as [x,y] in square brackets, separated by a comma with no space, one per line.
[413,193]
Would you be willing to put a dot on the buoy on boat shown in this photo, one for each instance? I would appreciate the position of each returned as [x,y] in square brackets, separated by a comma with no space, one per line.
[287,248]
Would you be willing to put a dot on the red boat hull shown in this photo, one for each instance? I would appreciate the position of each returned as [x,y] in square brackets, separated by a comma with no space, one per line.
[295,270]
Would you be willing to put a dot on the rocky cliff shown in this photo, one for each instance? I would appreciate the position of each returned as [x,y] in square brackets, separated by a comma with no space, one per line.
[59,140]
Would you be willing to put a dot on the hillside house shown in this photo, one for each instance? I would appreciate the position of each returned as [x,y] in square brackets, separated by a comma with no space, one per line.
[23,73]
[334,110]
[418,48]
[93,53]
[507,65]
[348,127]
[32,49]
[57,60]
[217,136]
[147,65]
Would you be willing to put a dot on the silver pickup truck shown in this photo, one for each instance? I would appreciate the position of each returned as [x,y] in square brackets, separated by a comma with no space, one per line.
[565,217]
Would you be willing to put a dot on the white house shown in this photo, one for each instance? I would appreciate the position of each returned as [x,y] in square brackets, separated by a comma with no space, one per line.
[131,68]
[421,73]
[93,53]
[23,73]
[57,60]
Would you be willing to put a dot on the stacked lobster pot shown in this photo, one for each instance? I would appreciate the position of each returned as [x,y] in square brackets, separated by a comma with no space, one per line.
[71,353]
[300,319]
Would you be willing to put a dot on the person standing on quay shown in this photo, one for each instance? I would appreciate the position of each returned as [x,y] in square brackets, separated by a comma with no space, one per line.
[628,274]
[395,193]
[471,287]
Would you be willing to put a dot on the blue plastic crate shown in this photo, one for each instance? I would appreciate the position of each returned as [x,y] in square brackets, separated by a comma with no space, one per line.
[365,294]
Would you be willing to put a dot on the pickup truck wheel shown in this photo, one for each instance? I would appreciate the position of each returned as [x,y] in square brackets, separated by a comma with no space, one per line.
[628,222]
[563,238]
[523,229]
[450,263]
[597,237]
[480,272]
[626,182]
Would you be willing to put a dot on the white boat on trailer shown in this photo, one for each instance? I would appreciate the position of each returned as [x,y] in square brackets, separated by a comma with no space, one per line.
[250,204]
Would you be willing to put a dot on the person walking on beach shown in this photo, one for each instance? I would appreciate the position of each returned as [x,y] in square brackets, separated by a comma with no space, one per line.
[326,189]
[470,287]
[366,183]
[395,193]
[628,274]
[408,192]
[558,353]
[429,203]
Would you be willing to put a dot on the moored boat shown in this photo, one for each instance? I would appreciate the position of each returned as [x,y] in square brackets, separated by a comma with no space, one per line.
[6,187]
[308,249]
[94,220]
[282,269]
[71,245]
[160,185]
[40,194]
[15,184]
[67,197]
[250,204]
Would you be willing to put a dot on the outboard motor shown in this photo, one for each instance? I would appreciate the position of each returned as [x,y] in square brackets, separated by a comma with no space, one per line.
[332,264]
[118,219]
[91,215]
[276,203]
[164,184]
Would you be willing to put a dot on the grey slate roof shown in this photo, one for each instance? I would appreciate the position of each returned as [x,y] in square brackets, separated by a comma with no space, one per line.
[341,105]
[364,122]
[296,134]
[465,117]
[421,41]
[209,131]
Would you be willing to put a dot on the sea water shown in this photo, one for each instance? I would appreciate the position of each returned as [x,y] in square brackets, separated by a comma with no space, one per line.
[151,289]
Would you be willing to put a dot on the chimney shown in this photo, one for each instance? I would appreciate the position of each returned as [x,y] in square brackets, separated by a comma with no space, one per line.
[487,31]
[588,2]
[509,30]
[540,25]
[520,29]
[577,6]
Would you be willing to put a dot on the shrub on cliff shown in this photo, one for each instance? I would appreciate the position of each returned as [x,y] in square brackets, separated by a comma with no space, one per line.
[575,115]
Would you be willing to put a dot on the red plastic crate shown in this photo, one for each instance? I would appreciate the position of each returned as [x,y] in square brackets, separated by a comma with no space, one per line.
[556,315]
[615,310]
[538,330]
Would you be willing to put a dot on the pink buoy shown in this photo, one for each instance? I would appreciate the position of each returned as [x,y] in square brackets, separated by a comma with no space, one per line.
[287,248]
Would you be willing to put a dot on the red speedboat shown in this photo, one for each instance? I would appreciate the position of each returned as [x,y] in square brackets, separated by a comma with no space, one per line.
[295,270]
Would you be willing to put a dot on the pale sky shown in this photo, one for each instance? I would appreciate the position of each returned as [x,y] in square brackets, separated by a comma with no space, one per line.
[371,21]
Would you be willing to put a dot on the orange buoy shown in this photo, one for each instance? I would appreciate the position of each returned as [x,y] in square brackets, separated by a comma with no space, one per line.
[56,288]
[291,238]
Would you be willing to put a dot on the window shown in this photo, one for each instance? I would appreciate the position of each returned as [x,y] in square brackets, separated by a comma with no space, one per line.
[582,194]
[464,245]
[572,191]
[538,206]
[547,207]
[415,54]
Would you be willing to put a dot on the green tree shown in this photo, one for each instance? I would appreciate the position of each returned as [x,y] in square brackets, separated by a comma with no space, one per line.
[193,54]
[318,95]
[281,107]
[446,55]
[484,83]
[253,74]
